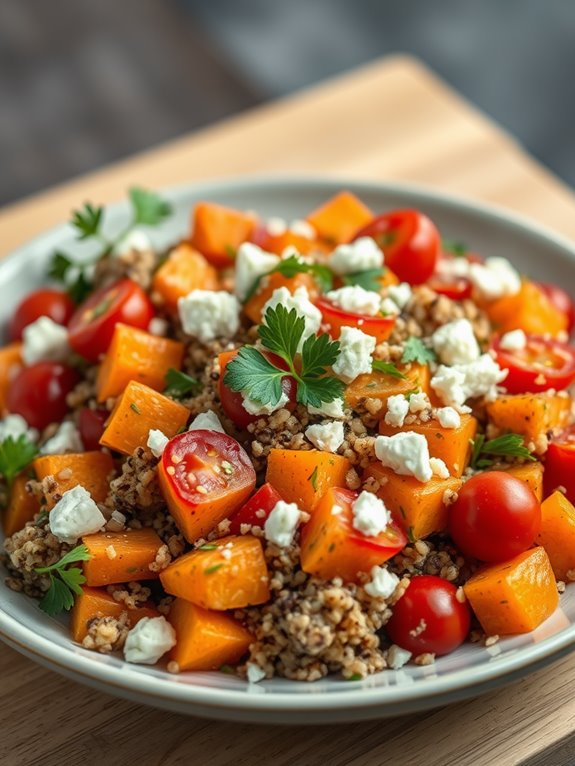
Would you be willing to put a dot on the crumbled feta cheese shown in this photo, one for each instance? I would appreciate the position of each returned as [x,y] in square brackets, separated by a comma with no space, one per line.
[382,584]
[451,268]
[439,468]
[327,437]
[455,342]
[397,409]
[419,402]
[157,441]
[276,226]
[356,300]
[15,426]
[209,314]
[354,356]
[516,340]
[135,239]
[281,524]
[44,339]
[332,409]
[158,326]
[302,228]
[397,657]
[259,408]
[495,278]
[66,439]
[454,385]
[370,516]
[75,515]
[361,255]
[299,301]
[252,263]
[448,417]
[406,453]
[400,294]
[149,640]
[254,673]
[206,421]
[389,307]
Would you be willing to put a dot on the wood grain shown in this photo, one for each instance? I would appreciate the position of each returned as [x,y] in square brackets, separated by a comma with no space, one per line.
[391,120]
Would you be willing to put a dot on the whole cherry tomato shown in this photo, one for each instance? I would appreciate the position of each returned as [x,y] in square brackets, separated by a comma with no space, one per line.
[256,510]
[380,327]
[92,325]
[55,304]
[562,301]
[429,617]
[91,426]
[560,464]
[495,517]
[410,242]
[39,392]
[544,363]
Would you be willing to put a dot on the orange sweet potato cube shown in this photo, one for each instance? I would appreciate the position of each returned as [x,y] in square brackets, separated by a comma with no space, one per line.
[96,602]
[531,474]
[10,366]
[557,534]
[218,231]
[22,507]
[531,415]
[117,557]
[380,385]
[92,470]
[529,310]
[338,219]
[184,270]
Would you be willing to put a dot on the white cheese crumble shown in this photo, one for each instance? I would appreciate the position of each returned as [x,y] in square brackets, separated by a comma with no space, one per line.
[254,407]
[439,468]
[354,356]
[448,417]
[454,385]
[149,640]
[209,314]
[397,409]
[15,426]
[276,226]
[157,441]
[281,524]
[419,402]
[370,516]
[66,439]
[299,301]
[455,342]
[361,255]
[302,228]
[332,409]
[135,239]
[327,437]
[44,339]
[406,453]
[158,326]
[516,340]
[397,657]
[75,515]
[382,584]
[254,673]
[389,307]
[494,278]
[206,421]
[252,263]
[400,294]
[356,300]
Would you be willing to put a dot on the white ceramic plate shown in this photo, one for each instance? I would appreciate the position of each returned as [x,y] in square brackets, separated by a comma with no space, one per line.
[465,673]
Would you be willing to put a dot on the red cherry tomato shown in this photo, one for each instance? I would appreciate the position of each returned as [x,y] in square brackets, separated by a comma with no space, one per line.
[560,464]
[92,326]
[562,301]
[91,426]
[544,363]
[495,517]
[39,392]
[49,303]
[256,510]
[380,327]
[429,618]
[410,242]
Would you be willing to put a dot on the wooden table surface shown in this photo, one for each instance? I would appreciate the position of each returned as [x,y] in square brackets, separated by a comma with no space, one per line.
[390,120]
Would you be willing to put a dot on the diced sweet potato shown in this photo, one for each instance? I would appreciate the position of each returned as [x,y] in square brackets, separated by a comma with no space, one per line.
[206,640]
[304,476]
[557,535]
[419,507]
[529,310]
[93,470]
[137,410]
[338,219]
[379,385]
[513,596]
[530,415]
[136,355]
[452,445]
[218,231]
[230,573]
[22,507]
[253,306]
[10,365]
[184,270]
[531,474]
[96,602]
[121,556]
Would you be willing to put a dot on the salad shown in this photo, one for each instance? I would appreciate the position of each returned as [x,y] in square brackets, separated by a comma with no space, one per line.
[331,445]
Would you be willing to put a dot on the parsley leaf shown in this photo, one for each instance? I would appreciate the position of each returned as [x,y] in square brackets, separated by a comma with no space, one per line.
[313,479]
[282,331]
[318,352]
[506,445]
[313,392]
[388,368]
[250,371]
[15,455]
[458,249]
[415,350]
[149,208]
[87,220]
[369,279]
[179,384]
[64,582]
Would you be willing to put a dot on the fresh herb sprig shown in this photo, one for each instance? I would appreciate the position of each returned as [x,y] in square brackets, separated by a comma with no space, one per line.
[388,368]
[454,247]
[179,384]
[15,456]
[292,265]
[369,279]
[64,582]
[506,445]
[415,350]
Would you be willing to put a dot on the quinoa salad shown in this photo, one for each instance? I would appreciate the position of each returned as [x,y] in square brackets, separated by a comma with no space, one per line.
[334,445]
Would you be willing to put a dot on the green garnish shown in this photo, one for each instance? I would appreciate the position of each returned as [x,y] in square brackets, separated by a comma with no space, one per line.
[208,547]
[410,534]
[211,570]
[179,384]
[369,279]
[15,456]
[137,410]
[313,479]
[355,677]
[454,247]
[506,445]
[64,583]
[293,265]
[388,368]
[72,274]
[149,208]
[415,350]
[228,669]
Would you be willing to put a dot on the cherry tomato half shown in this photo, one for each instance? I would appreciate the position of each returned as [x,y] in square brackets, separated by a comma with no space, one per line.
[562,301]
[429,618]
[48,303]
[544,363]
[447,281]
[92,325]
[380,327]
[256,510]
[91,426]
[410,242]
[560,464]
[39,392]
[495,517]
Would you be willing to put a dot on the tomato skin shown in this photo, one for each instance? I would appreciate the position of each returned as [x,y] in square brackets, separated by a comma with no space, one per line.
[546,357]
[91,427]
[560,465]
[410,242]
[380,327]
[39,392]
[495,517]
[92,325]
[561,300]
[55,304]
[256,510]
[432,600]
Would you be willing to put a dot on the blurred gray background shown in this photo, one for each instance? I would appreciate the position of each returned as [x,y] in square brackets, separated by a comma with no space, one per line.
[84,82]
